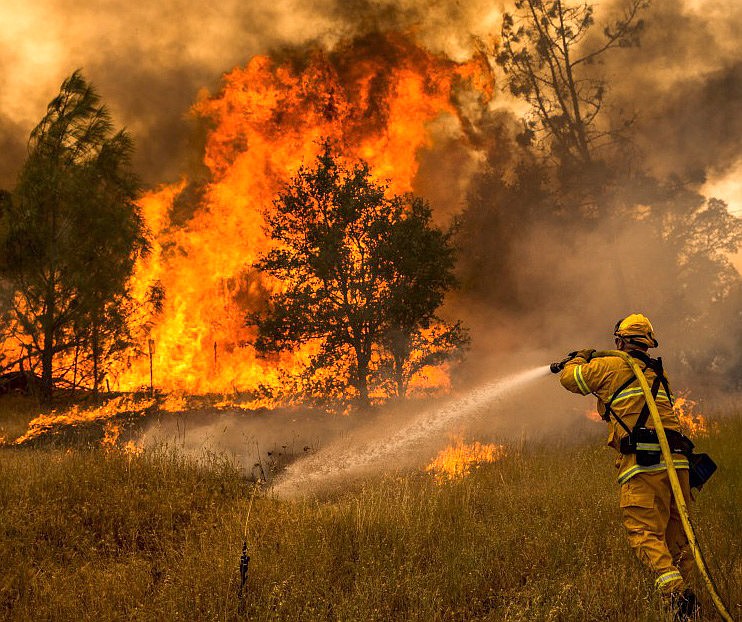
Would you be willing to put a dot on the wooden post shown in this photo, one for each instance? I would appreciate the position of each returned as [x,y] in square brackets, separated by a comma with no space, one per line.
[215,356]
[151,346]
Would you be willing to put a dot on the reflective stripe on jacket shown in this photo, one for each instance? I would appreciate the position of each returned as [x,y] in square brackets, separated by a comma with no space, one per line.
[603,377]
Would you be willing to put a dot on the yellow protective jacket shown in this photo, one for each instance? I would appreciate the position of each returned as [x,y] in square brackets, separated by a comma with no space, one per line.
[602,377]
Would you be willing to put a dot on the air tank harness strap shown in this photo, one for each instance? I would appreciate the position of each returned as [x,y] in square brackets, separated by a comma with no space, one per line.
[643,416]
[641,440]
[656,366]
[609,411]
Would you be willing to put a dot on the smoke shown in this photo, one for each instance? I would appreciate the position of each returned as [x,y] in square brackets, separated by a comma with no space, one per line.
[261,444]
[151,61]
[684,84]
[304,452]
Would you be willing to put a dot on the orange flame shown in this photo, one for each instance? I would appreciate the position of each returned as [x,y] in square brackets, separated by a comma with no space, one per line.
[457,460]
[111,433]
[692,422]
[132,450]
[375,102]
[75,416]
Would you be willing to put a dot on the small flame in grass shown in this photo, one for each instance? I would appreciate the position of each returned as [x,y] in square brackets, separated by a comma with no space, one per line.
[593,415]
[132,450]
[75,416]
[111,433]
[692,422]
[459,459]
[173,403]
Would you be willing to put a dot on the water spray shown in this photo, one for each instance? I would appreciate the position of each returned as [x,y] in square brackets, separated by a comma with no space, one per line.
[671,471]
[336,461]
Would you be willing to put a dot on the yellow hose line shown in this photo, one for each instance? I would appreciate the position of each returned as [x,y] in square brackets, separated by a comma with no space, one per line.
[674,482]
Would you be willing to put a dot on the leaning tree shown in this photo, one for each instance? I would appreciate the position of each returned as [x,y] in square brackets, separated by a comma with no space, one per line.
[72,233]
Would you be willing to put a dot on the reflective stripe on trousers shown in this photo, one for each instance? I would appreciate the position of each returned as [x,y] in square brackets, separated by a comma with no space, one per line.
[654,528]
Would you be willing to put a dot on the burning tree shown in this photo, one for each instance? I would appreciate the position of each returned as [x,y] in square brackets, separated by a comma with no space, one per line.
[72,233]
[363,275]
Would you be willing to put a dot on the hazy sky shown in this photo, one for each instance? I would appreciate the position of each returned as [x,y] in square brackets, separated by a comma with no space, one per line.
[149,60]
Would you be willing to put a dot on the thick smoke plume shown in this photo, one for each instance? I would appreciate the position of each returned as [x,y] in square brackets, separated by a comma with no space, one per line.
[150,63]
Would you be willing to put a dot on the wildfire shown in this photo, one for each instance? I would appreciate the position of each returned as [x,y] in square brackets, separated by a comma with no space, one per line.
[77,416]
[691,421]
[173,403]
[111,433]
[375,100]
[458,459]
[132,450]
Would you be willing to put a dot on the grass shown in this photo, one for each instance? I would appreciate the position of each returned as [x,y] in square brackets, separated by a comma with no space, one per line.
[17,411]
[92,535]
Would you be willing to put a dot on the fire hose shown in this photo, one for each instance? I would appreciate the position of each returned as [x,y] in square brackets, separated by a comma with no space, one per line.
[672,473]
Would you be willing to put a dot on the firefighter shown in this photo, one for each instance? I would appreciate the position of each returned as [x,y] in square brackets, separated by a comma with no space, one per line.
[649,513]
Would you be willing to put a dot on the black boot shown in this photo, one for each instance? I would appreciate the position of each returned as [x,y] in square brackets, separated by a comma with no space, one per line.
[685,606]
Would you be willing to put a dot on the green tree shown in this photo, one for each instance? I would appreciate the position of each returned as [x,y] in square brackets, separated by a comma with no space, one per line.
[362,275]
[72,234]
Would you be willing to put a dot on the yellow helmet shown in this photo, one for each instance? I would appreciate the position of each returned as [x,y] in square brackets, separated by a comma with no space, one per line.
[637,329]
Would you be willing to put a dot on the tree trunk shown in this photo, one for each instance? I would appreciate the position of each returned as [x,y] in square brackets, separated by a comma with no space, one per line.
[47,352]
[399,376]
[361,383]
[96,357]
[74,368]
[400,347]
[47,359]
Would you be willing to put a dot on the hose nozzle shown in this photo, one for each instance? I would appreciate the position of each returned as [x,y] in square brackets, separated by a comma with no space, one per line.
[558,367]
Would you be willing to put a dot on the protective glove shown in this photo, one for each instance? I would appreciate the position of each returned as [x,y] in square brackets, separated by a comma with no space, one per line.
[586,354]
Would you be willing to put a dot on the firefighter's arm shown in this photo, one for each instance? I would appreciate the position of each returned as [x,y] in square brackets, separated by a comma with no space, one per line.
[581,376]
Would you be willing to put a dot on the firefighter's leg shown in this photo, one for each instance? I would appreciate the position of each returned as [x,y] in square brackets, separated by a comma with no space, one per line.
[677,541]
[645,506]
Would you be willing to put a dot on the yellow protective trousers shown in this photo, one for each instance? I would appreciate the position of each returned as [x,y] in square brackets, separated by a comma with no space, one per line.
[653,525]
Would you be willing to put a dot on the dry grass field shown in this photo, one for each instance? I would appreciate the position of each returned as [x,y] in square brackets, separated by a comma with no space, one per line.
[89,534]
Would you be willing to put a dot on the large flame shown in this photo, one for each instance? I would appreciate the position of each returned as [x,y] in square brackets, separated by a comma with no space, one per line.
[375,100]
